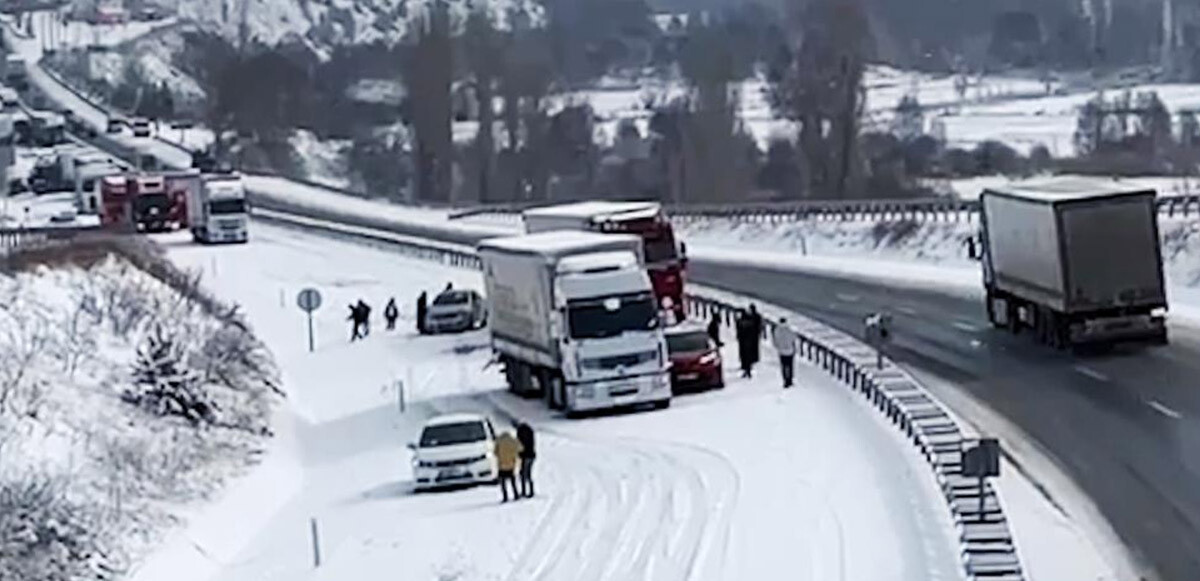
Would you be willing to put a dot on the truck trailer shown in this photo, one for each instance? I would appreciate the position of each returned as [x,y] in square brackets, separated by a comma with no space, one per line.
[665,258]
[1076,261]
[217,210]
[573,318]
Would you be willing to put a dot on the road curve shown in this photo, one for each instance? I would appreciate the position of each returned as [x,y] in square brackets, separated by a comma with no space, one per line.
[1125,425]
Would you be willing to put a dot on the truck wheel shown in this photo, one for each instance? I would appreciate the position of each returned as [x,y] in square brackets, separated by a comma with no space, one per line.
[552,387]
[522,380]
[1012,314]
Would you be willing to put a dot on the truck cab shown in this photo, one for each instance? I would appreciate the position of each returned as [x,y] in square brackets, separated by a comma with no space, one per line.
[150,203]
[217,210]
[573,317]
[665,257]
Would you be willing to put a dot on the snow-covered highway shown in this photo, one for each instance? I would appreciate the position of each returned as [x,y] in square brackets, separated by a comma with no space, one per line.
[747,482]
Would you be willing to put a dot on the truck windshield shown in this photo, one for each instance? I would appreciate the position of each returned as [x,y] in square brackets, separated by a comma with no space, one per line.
[145,203]
[450,434]
[611,316]
[232,206]
[661,249]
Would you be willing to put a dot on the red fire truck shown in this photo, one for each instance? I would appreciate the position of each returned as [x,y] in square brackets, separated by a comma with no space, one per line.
[665,257]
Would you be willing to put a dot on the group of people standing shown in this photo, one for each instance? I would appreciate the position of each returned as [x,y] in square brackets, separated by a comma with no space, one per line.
[360,315]
[513,454]
[748,328]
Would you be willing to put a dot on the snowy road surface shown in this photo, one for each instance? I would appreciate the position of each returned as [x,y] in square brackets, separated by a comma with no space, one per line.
[748,482]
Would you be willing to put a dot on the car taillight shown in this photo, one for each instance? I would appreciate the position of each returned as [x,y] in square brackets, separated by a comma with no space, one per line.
[710,358]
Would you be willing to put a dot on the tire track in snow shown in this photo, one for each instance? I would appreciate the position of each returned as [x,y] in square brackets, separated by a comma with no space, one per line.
[641,522]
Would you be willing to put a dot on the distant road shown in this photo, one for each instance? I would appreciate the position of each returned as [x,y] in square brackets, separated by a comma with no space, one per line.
[1124,425]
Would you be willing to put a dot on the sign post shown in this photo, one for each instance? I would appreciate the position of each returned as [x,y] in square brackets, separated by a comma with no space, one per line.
[309,300]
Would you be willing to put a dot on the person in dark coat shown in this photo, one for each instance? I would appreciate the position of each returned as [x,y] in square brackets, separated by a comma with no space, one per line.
[714,330]
[355,319]
[422,307]
[745,342]
[756,329]
[391,313]
[364,317]
[528,455]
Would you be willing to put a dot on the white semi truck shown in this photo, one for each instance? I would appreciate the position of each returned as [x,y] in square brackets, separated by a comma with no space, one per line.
[1075,261]
[217,210]
[573,318]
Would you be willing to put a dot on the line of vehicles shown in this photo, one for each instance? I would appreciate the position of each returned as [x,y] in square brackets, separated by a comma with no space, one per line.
[211,204]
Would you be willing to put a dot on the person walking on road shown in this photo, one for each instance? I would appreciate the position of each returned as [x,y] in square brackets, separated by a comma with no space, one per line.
[714,330]
[355,319]
[748,336]
[785,341]
[508,450]
[528,455]
[422,307]
[364,318]
[391,313]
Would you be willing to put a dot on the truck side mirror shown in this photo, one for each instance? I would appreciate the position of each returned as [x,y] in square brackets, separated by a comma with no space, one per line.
[411,446]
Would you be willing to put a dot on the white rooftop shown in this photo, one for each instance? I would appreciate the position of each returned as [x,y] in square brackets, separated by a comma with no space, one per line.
[564,242]
[595,209]
[1067,189]
[459,418]
[596,261]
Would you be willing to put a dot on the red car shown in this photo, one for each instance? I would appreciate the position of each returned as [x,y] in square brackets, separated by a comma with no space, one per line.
[695,359]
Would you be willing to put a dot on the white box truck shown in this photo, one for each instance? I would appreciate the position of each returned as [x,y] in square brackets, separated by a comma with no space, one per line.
[217,210]
[573,318]
[1076,261]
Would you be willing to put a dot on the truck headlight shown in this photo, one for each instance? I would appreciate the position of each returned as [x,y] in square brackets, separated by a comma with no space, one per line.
[585,391]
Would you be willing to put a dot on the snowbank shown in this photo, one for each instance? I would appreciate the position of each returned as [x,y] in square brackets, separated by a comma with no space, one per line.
[88,403]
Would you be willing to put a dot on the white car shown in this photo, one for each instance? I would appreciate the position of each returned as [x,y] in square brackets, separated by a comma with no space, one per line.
[454,449]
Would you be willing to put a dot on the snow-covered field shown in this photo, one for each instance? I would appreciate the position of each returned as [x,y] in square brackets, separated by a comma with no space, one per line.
[95,470]
[689,492]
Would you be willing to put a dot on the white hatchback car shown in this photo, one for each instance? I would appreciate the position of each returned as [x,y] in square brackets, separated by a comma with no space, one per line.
[454,449]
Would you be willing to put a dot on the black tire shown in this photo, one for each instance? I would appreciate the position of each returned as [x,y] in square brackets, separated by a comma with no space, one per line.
[553,390]
[1013,315]
[522,379]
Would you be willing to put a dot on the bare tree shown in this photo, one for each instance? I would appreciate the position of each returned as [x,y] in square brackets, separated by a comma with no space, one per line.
[485,58]
[429,73]
[821,90]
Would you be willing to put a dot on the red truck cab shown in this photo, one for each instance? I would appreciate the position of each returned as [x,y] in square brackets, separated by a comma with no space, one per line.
[115,210]
[153,208]
[665,260]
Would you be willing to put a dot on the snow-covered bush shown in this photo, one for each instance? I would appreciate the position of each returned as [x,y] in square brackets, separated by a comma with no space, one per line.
[46,537]
[165,385]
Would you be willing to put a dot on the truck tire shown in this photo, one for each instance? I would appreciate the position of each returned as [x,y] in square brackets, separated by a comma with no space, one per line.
[1012,314]
[990,304]
[553,389]
[521,382]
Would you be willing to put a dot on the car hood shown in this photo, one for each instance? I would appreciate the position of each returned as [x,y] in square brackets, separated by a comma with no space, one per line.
[454,451]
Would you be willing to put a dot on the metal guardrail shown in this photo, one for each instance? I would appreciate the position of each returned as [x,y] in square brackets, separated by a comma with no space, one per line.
[921,210]
[986,544]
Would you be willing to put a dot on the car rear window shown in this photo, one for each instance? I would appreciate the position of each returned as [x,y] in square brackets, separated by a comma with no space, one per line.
[451,298]
[450,434]
[687,342]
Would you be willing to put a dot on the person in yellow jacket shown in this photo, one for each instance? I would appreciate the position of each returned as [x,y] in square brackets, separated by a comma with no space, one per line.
[508,449]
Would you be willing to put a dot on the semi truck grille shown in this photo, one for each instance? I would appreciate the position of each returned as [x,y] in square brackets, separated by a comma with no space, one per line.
[623,360]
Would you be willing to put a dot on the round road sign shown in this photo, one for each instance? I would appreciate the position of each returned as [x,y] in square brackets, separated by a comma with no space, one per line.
[309,300]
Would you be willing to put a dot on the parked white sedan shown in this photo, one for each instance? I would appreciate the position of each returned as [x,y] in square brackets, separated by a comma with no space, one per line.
[454,449]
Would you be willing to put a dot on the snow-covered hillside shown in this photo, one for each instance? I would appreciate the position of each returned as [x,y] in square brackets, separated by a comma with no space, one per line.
[323,23]
[99,462]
